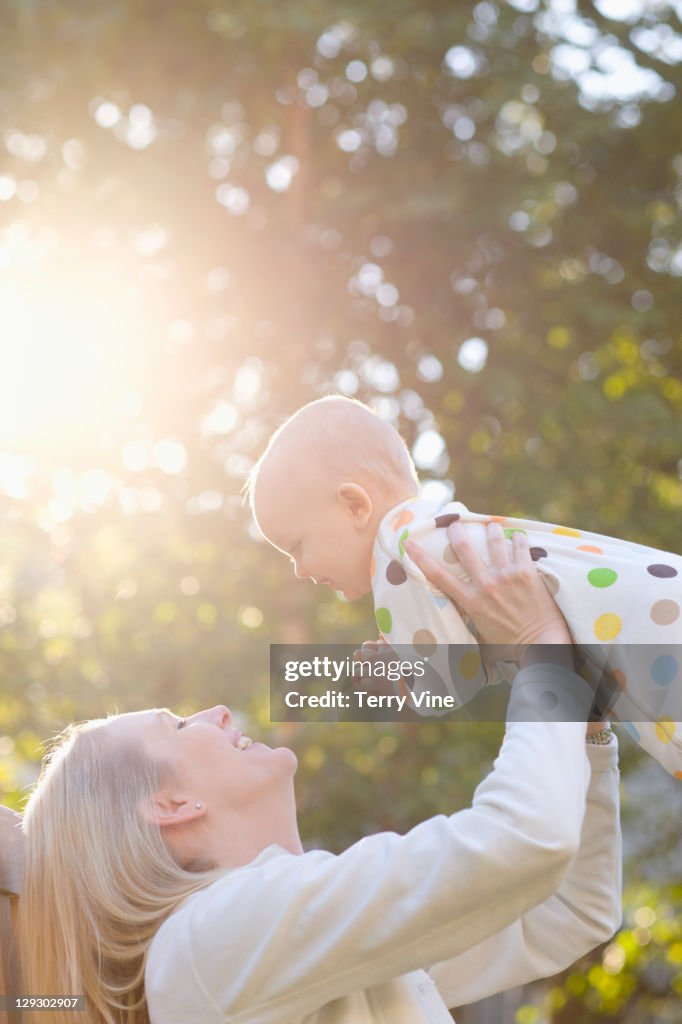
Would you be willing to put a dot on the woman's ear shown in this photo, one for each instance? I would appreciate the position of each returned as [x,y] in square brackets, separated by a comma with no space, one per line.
[165,811]
[357,501]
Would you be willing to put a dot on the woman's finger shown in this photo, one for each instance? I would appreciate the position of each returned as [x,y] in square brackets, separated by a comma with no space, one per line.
[521,548]
[436,573]
[466,553]
[497,545]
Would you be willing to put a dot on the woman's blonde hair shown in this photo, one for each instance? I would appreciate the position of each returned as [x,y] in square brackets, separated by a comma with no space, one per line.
[99,878]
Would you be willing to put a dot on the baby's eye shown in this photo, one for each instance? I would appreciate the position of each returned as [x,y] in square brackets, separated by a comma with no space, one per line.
[182,723]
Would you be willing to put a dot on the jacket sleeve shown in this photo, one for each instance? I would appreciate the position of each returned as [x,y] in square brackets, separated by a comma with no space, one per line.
[282,937]
[584,911]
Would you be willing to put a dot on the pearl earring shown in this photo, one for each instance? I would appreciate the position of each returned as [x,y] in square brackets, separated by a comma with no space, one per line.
[198,806]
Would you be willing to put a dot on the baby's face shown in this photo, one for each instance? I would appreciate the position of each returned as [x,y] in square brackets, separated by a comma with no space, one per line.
[315,528]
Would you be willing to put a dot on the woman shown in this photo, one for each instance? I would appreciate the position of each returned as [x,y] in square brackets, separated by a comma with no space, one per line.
[165,867]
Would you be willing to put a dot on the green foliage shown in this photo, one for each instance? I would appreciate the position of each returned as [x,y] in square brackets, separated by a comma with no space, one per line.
[637,976]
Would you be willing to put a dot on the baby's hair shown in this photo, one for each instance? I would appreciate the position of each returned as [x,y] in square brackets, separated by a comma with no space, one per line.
[346,439]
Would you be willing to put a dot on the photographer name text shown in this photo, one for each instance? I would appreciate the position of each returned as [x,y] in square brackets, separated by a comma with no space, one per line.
[364,700]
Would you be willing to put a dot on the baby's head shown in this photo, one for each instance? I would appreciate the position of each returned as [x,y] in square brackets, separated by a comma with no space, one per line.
[327,478]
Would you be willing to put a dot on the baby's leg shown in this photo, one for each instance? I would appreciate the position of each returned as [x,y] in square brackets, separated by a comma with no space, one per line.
[660,739]
[645,695]
[623,602]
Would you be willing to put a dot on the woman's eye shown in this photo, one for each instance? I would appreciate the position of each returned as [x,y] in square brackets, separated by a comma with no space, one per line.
[182,723]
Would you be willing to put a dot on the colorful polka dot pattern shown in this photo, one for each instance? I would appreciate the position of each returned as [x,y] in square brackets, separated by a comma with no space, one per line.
[537,553]
[620,677]
[665,729]
[552,584]
[662,572]
[613,593]
[470,664]
[424,643]
[448,520]
[602,577]
[403,518]
[384,620]
[607,626]
[512,530]
[664,669]
[665,612]
[395,573]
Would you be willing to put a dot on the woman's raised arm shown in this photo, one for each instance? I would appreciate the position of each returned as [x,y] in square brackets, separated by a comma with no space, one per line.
[287,934]
[585,910]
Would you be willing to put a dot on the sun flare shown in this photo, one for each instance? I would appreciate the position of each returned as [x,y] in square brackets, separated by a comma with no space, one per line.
[67,359]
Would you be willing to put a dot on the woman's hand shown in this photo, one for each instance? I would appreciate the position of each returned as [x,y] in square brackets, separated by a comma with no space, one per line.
[507,600]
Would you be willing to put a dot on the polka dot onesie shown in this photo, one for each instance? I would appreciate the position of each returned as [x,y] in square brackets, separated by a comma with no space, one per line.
[622,602]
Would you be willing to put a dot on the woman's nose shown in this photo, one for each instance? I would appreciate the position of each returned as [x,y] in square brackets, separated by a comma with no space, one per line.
[224,715]
[220,714]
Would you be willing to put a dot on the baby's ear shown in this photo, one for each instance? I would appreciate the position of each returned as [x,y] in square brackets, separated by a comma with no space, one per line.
[358,502]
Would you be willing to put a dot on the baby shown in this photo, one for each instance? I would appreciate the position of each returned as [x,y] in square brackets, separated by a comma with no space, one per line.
[337,491]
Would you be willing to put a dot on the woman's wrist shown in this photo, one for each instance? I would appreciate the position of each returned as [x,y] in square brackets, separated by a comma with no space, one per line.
[594,728]
[599,733]
[550,648]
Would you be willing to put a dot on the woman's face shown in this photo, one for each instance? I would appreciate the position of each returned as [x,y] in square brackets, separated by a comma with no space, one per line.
[208,762]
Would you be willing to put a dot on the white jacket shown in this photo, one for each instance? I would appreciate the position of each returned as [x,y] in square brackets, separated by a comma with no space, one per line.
[397,928]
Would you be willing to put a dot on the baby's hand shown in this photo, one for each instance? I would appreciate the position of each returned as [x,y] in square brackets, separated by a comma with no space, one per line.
[373,651]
